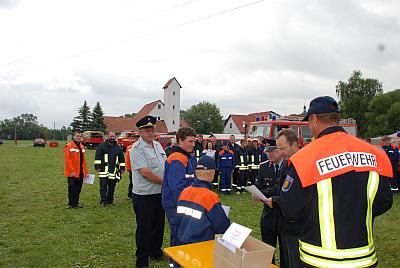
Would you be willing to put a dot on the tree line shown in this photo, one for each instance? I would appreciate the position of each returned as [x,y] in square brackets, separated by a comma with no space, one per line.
[376,113]
[27,127]
[362,99]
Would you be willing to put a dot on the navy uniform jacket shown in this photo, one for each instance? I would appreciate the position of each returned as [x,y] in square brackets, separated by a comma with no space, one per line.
[226,160]
[199,214]
[348,207]
[178,174]
[110,160]
[393,153]
[268,184]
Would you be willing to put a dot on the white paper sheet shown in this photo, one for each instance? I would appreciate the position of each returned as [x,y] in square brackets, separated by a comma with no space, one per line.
[254,191]
[236,234]
[226,209]
[89,179]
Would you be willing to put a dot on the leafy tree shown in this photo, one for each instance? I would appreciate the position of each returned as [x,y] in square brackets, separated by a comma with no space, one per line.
[97,119]
[25,125]
[354,97]
[129,115]
[205,117]
[384,114]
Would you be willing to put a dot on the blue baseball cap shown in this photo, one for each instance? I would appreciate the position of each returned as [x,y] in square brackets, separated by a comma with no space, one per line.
[322,105]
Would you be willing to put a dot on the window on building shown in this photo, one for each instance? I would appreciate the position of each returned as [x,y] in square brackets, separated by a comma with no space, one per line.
[159,107]
[230,125]
[173,93]
[173,107]
[173,122]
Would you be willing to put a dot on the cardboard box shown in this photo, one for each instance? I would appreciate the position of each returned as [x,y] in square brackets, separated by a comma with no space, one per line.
[253,254]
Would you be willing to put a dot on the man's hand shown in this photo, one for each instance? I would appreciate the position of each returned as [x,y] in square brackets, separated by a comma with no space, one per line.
[255,198]
[98,169]
[73,174]
[268,202]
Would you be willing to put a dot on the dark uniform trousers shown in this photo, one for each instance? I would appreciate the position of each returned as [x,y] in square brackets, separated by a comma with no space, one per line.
[150,220]
[107,187]
[269,232]
[74,190]
[130,187]
[242,181]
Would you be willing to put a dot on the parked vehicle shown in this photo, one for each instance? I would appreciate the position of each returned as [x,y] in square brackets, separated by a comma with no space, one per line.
[269,129]
[92,139]
[39,142]
[126,138]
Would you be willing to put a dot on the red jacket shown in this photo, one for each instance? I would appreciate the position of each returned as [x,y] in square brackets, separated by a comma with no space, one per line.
[72,160]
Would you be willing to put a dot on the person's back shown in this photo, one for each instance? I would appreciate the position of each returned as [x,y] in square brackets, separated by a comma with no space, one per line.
[199,214]
[334,188]
[337,228]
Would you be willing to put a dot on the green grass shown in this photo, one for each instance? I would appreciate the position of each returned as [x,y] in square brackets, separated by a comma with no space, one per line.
[36,229]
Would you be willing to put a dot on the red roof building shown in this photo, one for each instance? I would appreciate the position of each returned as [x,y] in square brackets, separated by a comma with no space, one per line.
[167,112]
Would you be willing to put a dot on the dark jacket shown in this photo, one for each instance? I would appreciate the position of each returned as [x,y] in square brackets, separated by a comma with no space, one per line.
[351,197]
[242,158]
[268,184]
[109,160]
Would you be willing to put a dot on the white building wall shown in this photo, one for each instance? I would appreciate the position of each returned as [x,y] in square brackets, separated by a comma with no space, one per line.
[158,113]
[172,106]
[229,130]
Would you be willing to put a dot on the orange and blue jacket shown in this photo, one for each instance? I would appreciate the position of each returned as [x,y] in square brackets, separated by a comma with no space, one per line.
[179,173]
[72,160]
[199,214]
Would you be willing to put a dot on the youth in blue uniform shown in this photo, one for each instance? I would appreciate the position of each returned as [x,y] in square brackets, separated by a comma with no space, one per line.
[199,213]
[179,174]
[226,164]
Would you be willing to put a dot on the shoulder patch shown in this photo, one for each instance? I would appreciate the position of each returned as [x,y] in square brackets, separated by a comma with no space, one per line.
[178,156]
[232,152]
[287,183]
[221,152]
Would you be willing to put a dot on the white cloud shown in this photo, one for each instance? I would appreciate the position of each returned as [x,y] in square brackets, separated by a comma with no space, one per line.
[274,55]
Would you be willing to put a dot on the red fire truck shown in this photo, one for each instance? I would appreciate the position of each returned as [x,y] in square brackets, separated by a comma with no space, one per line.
[126,138]
[91,139]
[269,129]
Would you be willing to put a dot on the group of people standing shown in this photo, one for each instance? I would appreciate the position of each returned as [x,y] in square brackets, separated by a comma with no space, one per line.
[109,162]
[320,201]
[169,185]
[236,165]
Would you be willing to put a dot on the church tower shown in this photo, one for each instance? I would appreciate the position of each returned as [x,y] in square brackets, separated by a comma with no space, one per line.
[172,104]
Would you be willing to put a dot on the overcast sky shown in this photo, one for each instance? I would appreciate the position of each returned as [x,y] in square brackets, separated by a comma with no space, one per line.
[244,55]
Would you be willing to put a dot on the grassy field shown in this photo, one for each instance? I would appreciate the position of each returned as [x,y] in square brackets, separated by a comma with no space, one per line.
[37,230]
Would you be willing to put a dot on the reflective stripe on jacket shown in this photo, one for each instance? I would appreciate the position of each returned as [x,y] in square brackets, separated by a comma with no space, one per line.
[72,160]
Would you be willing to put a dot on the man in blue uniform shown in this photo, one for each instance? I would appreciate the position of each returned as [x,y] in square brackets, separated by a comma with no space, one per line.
[393,153]
[226,164]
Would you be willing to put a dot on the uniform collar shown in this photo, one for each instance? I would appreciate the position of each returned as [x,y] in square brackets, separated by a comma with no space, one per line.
[77,144]
[201,183]
[330,130]
[177,149]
